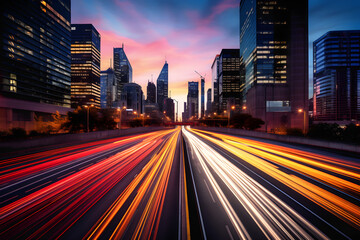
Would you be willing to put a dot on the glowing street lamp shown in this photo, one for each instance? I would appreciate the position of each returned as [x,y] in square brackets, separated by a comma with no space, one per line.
[120,110]
[87,116]
[300,110]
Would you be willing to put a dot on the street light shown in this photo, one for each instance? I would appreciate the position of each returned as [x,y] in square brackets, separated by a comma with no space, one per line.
[120,110]
[300,110]
[87,116]
[143,119]
[233,107]
[244,107]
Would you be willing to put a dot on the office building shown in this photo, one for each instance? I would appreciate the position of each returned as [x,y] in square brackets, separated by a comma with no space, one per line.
[208,102]
[215,83]
[108,89]
[184,114]
[169,108]
[85,65]
[123,71]
[193,100]
[35,61]
[133,94]
[151,92]
[162,86]
[229,79]
[202,97]
[274,53]
[337,77]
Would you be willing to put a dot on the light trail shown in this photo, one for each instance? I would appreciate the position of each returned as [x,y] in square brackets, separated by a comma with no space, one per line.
[273,217]
[56,206]
[265,159]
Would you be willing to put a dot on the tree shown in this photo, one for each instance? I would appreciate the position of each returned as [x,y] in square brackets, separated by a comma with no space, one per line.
[253,123]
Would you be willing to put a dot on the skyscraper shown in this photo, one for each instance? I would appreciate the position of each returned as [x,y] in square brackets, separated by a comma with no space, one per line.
[202,97]
[274,51]
[122,70]
[215,83]
[35,61]
[162,86]
[193,100]
[208,102]
[85,65]
[151,92]
[337,76]
[108,89]
[229,79]
[133,94]
[169,108]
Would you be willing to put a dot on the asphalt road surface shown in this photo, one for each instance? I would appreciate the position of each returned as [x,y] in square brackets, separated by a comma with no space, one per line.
[179,184]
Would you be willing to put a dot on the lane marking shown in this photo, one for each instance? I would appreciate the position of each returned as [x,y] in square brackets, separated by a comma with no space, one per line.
[212,197]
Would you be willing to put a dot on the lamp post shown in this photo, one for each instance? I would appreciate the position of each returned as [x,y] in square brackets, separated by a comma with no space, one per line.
[300,110]
[176,110]
[87,116]
[143,119]
[120,110]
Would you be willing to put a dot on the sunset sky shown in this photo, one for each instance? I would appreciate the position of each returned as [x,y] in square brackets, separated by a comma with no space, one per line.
[188,34]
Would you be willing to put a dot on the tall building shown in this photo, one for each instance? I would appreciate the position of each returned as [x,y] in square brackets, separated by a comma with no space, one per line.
[215,83]
[85,65]
[202,97]
[162,86]
[34,62]
[337,76]
[229,79]
[108,89]
[169,108]
[151,92]
[133,94]
[185,113]
[193,100]
[274,53]
[122,69]
[208,102]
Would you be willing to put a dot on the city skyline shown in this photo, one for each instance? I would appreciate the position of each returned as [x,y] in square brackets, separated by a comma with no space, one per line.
[158,31]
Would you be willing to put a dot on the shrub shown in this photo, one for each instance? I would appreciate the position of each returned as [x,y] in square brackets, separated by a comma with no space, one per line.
[18,132]
[294,132]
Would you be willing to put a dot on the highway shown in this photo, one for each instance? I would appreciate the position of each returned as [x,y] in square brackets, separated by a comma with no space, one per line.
[123,188]
[180,183]
[251,189]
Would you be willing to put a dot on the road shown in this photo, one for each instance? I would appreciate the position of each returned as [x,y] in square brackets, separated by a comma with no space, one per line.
[250,189]
[180,183]
[127,187]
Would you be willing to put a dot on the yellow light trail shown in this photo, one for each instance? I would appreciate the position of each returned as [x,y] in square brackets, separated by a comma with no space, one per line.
[338,206]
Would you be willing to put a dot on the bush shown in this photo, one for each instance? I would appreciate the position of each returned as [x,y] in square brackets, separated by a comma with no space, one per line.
[253,123]
[18,132]
[294,132]
[326,131]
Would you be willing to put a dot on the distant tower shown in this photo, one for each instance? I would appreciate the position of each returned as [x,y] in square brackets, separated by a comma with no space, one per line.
[122,70]
[151,92]
[193,100]
[202,97]
[162,86]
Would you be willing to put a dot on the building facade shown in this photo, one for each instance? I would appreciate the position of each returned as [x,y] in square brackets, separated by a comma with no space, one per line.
[229,79]
[274,53]
[133,94]
[215,84]
[108,89]
[337,76]
[151,92]
[85,65]
[123,71]
[208,102]
[202,97]
[169,108]
[193,100]
[34,62]
[162,86]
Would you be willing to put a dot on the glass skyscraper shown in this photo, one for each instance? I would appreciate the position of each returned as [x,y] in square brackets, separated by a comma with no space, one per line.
[123,70]
[35,60]
[193,100]
[202,97]
[107,89]
[215,84]
[133,94]
[85,65]
[274,55]
[162,86]
[337,76]
[151,92]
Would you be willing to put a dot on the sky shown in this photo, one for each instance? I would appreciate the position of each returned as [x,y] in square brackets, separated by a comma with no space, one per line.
[188,34]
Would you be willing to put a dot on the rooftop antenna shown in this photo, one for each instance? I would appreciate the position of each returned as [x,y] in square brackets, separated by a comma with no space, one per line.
[152,78]
[123,45]
[110,63]
[170,94]
[165,59]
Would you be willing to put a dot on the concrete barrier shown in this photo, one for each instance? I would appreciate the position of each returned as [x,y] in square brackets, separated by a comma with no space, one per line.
[285,138]
[73,138]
